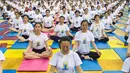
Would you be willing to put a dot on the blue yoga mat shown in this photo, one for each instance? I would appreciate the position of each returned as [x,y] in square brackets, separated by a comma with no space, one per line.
[121,38]
[1,29]
[1,37]
[20,45]
[55,45]
[112,72]
[121,52]
[89,65]
[3,49]
[12,34]
[9,71]
[110,34]
[101,45]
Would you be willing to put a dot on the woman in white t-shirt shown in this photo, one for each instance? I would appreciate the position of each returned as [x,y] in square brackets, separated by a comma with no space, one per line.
[2,58]
[15,23]
[48,25]
[107,21]
[60,30]
[87,16]
[25,29]
[126,66]
[83,39]
[76,20]
[65,60]
[97,29]
[38,44]
[38,16]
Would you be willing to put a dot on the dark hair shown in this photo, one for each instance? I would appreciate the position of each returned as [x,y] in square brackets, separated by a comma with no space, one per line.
[38,10]
[62,17]
[77,11]
[48,10]
[38,23]
[84,21]
[63,7]
[17,12]
[26,16]
[64,38]
[96,16]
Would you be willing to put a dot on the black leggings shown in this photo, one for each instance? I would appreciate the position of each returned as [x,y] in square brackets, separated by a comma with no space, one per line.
[25,36]
[105,39]
[92,55]
[75,29]
[56,38]
[39,51]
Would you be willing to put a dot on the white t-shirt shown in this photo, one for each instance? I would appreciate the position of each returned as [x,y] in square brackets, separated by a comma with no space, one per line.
[107,22]
[126,65]
[87,17]
[77,21]
[66,15]
[48,21]
[65,63]
[31,14]
[38,41]
[2,56]
[26,28]
[61,30]
[38,17]
[97,29]
[17,22]
[84,40]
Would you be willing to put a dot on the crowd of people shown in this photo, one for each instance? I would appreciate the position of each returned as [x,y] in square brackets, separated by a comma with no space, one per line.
[91,20]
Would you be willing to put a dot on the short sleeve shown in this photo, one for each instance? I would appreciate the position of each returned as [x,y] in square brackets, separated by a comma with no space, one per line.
[91,36]
[77,59]
[76,36]
[56,28]
[45,37]
[54,59]
[67,28]
[30,37]
[126,65]
[91,27]
[31,27]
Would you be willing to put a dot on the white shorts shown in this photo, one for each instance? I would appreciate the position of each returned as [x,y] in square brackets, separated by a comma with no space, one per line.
[2,56]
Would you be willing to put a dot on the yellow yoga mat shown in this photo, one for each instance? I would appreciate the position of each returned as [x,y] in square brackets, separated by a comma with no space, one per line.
[9,42]
[109,60]
[13,58]
[115,42]
[119,32]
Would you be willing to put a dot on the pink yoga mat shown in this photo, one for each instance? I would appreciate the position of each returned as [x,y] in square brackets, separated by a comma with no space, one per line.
[34,65]
[3,31]
[10,38]
[4,25]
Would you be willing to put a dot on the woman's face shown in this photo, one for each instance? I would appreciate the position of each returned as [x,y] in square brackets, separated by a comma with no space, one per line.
[37,28]
[25,19]
[61,20]
[65,47]
[84,26]
[17,15]
[86,10]
[47,13]
[97,18]
[77,13]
